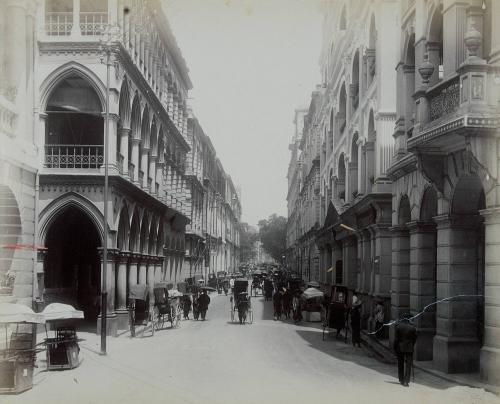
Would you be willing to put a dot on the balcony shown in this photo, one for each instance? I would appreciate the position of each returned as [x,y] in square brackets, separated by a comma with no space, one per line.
[444,99]
[93,23]
[73,156]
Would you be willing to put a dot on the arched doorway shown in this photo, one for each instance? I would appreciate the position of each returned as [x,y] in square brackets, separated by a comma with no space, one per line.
[460,321]
[72,265]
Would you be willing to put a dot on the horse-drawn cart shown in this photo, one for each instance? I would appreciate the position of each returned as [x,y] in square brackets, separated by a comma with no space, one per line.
[141,312]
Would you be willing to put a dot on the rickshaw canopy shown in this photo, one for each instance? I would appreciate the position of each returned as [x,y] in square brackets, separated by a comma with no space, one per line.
[60,311]
[311,293]
[19,313]
[138,292]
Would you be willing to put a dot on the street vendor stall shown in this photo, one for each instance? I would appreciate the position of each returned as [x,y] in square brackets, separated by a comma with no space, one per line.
[311,304]
[62,350]
[18,353]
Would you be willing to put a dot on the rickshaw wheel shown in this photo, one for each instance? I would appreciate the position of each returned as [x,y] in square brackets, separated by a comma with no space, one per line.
[131,321]
[157,319]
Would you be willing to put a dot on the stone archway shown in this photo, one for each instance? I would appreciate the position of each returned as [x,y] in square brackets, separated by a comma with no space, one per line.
[72,267]
[460,271]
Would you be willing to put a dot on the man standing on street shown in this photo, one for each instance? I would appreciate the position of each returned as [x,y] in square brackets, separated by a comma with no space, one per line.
[203,302]
[406,336]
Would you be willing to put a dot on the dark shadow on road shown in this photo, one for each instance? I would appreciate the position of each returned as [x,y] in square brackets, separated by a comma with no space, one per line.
[362,357]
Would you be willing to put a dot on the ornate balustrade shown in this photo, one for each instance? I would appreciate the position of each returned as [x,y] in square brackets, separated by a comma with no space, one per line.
[58,23]
[73,156]
[444,99]
[93,23]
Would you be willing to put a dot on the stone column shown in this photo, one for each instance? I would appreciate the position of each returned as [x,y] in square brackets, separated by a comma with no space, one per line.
[133,270]
[382,259]
[369,165]
[121,288]
[124,136]
[110,280]
[134,176]
[143,270]
[152,173]
[150,276]
[158,269]
[423,284]
[144,166]
[490,352]
[400,283]
[456,346]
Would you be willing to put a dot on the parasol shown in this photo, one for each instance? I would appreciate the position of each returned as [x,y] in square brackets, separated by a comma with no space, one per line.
[19,313]
[311,293]
[60,311]
[174,293]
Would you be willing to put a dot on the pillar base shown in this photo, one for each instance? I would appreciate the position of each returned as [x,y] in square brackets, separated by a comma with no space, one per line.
[122,322]
[455,354]
[490,365]
[423,346]
[111,323]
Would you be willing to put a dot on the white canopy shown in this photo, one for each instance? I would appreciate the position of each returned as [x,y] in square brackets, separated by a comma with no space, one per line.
[174,293]
[311,293]
[60,311]
[19,313]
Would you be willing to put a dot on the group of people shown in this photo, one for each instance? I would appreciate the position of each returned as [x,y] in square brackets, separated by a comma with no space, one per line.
[199,304]
[287,304]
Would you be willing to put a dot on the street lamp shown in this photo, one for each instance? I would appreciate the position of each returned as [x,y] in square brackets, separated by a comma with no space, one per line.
[107,47]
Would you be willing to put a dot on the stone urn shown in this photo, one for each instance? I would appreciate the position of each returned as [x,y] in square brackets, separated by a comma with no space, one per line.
[426,69]
[473,40]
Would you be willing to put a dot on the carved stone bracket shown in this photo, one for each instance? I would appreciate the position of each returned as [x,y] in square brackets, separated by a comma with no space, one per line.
[432,168]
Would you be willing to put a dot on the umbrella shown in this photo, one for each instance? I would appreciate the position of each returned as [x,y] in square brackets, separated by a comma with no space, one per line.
[174,293]
[311,293]
[208,288]
[257,272]
[19,313]
[59,311]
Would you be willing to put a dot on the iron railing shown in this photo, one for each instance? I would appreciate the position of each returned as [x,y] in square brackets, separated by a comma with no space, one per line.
[74,156]
[93,23]
[58,23]
[444,99]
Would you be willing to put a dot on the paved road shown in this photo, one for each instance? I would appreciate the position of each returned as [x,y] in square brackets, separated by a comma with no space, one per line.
[216,361]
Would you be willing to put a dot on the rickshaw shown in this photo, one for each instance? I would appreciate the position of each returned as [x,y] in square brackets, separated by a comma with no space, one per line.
[175,315]
[140,310]
[240,302]
[268,289]
[18,353]
[337,312]
[161,305]
[256,282]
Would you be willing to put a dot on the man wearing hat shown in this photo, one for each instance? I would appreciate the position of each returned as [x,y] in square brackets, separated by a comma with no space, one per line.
[406,336]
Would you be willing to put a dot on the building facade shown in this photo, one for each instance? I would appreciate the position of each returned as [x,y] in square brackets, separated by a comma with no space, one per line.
[55,91]
[409,170]
[213,236]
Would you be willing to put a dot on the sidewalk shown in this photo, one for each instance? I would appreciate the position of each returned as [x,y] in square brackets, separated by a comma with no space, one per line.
[385,354]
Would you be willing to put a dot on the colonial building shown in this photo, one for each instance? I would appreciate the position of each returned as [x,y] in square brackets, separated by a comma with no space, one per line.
[357,121]
[294,177]
[213,236]
[18,152]
[409,170]
[445,182]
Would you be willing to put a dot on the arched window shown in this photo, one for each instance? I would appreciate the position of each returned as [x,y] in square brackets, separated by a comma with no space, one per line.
[75,126]
[354,87]
[371,52]
[341,179]
[353,168]
[341,115]
[435,46]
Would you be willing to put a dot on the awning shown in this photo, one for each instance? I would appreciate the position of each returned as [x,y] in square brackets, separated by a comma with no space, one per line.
[19,313]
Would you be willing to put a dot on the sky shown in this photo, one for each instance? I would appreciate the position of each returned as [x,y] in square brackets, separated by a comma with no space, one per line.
[252,63]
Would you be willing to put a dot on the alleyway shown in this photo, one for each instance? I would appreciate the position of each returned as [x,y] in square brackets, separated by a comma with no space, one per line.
[219,362]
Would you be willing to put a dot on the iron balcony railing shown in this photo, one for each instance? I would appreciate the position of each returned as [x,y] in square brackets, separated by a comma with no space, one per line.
[58,23]
[73,156]
[444,99]
[93,23]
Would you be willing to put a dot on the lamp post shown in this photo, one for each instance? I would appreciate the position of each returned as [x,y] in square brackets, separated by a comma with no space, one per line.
[107,48]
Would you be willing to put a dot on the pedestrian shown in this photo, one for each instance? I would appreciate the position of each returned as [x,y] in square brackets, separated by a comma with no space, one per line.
[196,307]
[231,284]
[356,321]
[203,301]
[187,307]
[287,303]
[297,310]
[379,320]
[277,297]
[405,338]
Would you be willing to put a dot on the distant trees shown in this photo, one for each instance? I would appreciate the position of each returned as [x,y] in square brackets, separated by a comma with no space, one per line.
[248,237]
[272,234]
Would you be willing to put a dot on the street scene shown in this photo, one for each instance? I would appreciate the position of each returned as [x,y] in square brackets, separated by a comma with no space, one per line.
[275,201]
[219,361]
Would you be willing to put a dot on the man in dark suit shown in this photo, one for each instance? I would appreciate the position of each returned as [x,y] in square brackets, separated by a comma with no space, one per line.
[406,336]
